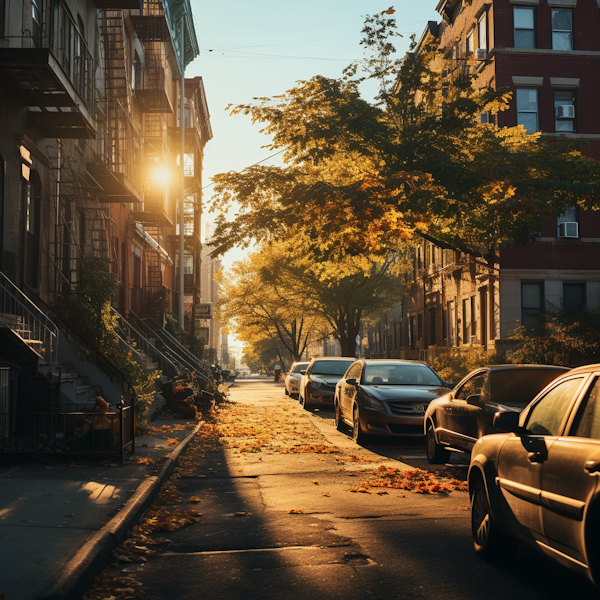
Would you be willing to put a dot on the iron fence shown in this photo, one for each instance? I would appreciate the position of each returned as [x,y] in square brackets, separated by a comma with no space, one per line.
[68,432]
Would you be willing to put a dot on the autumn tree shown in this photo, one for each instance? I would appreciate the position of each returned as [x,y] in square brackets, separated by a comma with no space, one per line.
[258,304]
[358,176]
[327,296]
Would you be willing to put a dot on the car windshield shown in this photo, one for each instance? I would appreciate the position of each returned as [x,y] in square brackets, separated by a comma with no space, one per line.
[520,385]
[400,375]
[331,367]
[299,367]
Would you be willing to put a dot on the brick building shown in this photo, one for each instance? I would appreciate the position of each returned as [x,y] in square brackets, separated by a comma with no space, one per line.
[90,117]
[547,52]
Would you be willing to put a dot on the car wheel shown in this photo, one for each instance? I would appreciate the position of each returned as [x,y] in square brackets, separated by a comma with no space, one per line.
[286,392]
[358,434]
[489,540]
[436,453]
[339,423]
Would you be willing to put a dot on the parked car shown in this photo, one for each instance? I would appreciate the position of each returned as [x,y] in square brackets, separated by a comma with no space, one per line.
[538,482]
[385,397]
[292,380]
[457,420]
[317,385]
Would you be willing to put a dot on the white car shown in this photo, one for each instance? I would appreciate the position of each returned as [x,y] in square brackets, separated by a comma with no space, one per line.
[292,381]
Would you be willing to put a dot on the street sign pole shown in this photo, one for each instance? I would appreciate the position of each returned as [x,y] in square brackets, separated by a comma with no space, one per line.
[182,165]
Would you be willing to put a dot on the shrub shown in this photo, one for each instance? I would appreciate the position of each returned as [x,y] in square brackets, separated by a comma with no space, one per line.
[455,364]
[568,339]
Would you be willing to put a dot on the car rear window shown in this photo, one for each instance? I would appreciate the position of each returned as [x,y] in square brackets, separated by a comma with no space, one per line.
[331,367]
[520,386]
[400,375]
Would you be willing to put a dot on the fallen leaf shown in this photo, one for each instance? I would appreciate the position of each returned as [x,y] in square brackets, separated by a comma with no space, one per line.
[295,511]
[195,499]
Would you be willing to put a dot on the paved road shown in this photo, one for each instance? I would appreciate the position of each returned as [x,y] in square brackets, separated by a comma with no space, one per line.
[343,544]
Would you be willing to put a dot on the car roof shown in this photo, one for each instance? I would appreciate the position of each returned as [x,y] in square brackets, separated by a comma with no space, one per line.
[524,366]
[333,358]
[388,361]
[585,369]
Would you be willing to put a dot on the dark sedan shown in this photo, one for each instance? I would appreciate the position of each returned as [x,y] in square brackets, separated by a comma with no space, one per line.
[317,384]
[385,397]
[457,420]
[538,483]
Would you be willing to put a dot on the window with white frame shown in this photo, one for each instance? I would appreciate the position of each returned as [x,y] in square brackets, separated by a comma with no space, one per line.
[524,27]
[562,29]
[471,43]
[482,31]
[567,224]
[564,110]
[528,109]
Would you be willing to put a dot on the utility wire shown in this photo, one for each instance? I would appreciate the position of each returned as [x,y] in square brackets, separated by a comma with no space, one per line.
[256,163]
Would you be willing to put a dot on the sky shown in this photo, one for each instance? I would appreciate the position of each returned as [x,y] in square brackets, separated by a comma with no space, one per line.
[261,48]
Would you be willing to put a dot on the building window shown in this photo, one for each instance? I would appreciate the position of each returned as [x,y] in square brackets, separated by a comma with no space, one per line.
[527,109]
[36,18]
[567,224]
[574,296]
[532,304]
[564,110]
[465,331]
[562,29]
[471,43]
[524,19]
[473,321]
[482,30]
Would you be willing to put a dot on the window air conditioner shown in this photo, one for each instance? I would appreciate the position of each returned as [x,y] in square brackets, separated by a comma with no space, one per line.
[568,230]
[565,111]
[480,54]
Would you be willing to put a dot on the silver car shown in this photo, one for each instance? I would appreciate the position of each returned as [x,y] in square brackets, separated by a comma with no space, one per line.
[292,381]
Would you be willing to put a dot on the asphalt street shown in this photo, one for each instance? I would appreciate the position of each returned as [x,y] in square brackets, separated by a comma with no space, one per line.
[336,544]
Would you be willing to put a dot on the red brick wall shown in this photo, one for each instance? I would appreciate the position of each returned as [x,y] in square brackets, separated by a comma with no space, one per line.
[563,254]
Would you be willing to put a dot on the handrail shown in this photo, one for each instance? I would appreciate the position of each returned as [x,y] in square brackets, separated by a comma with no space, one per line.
[36,326]
[109,367]
[146,345]
[175,347]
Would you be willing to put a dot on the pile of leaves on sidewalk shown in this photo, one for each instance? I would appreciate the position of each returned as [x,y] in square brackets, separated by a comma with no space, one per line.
[416,480]
[170,511]
[285,429]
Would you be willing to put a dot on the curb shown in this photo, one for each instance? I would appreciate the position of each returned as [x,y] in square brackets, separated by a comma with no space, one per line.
[78,574]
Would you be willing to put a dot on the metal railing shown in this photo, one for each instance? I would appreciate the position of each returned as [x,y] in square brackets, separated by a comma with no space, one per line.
[191,361]
[170,346]
[21,315]
[69,431]
[54,28]
[134,336]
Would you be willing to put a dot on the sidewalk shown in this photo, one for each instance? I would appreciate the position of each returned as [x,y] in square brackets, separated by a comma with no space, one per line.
[52,515]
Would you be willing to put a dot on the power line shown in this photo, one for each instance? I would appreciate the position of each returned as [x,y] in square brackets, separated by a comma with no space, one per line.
[256,163]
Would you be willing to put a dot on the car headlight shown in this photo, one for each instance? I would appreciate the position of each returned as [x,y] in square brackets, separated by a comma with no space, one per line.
[372,402]
[315,383]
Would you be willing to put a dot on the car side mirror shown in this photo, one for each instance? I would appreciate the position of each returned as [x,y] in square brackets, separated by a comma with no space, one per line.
[475,399]
[449,384]
[303,372]
[507,421]
[352,382]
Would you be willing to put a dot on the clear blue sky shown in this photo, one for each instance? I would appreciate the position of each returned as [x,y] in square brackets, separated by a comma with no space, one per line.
[262,47]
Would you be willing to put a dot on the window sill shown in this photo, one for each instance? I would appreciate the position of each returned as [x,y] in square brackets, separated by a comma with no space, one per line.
[548,51]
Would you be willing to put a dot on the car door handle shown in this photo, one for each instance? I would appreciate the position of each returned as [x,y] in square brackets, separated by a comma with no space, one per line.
[592,467]
[535,457]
